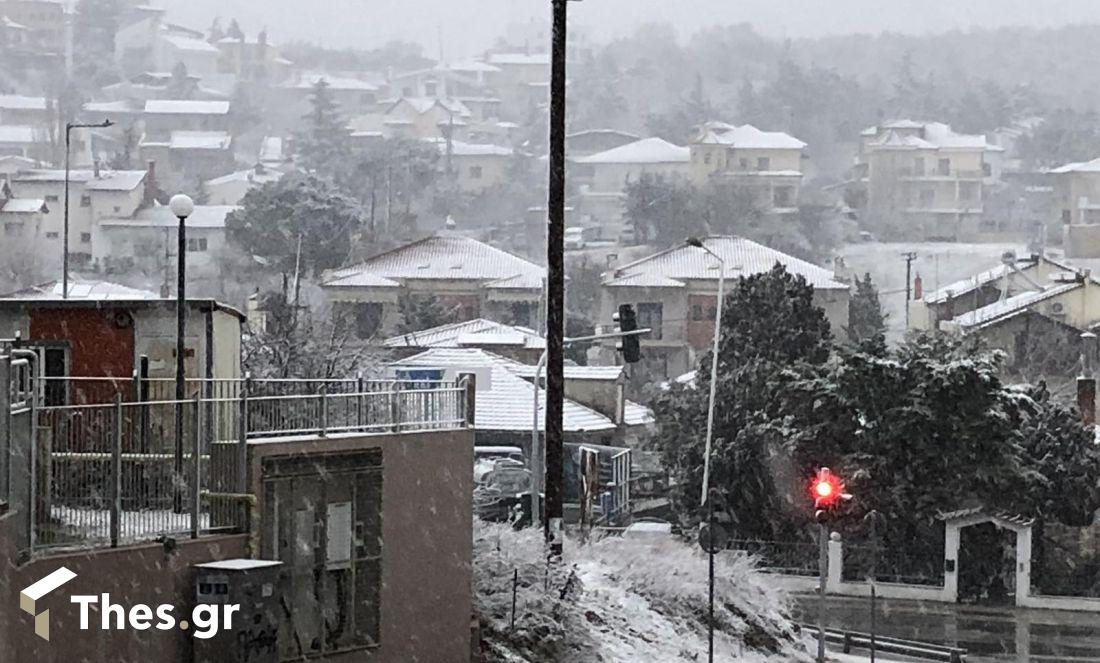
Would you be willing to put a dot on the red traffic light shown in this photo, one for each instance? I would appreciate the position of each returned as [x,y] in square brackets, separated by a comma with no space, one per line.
[827,489]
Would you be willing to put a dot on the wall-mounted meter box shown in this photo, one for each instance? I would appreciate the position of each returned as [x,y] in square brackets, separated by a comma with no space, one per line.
[255,586]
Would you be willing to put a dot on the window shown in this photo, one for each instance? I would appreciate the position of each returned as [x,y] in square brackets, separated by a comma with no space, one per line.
[13,228]
[968,191]
[522,313]
[51,199]
[85,238]
[783,196]
[744,163]
[475,172]
[987,169]
[696,312]
[650,315]
[86,201]
[763,163]
[1067,216]
[918,166]
[117,209]
[196,244]
[368,319]
[706,158]
[51,235]
[944,167]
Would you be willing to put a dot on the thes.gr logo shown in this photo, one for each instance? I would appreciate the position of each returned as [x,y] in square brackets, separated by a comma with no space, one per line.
[30,596]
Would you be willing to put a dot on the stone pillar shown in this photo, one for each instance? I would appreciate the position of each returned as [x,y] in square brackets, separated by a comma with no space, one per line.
[1023,565]
[951,563]
[836,561]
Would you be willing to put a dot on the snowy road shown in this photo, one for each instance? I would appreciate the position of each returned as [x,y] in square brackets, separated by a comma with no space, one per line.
[990,634]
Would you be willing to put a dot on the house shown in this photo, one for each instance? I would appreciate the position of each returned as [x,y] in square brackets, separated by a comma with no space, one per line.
[465,78]
[146,241]
[674,291]
[23,110]
[102,329]
[251,59]
[475,167]
[1014,276]
[927,180]
[230,189]
[43,22]
[1040,328]
[1077,206]
[166,116]
[603,176]
[174,46]
[425,117]
[584,143]
[521,81]
[24,141]
[521,344]
[768,164]
[93,194]
[290,100]
[468,277]
[21,220]
[190,155]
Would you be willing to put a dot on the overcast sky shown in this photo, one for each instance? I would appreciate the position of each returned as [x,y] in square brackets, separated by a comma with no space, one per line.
[468,26]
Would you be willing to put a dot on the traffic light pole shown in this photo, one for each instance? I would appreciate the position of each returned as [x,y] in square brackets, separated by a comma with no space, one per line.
[823,568]
[555,300]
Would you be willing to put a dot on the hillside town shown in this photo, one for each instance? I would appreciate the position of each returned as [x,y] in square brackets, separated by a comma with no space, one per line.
[666,346]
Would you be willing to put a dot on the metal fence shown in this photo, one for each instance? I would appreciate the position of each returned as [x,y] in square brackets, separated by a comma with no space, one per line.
[798,558]
[133,471]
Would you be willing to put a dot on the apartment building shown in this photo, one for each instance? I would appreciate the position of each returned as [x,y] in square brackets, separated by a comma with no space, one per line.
[925,181]
[1077,206]
[766,163]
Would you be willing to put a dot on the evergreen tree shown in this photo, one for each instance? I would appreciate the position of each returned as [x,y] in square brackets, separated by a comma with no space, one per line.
[866,322]
[323,146]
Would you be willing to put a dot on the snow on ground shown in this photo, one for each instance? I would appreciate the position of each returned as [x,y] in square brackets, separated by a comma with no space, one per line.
[618,599]
[82,524]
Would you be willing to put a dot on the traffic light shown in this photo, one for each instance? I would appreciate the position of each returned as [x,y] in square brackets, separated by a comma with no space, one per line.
[827,490]
[627,321]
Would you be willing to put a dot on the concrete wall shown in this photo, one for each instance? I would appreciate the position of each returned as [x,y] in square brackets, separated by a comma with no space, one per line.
[134,574]
[427,542]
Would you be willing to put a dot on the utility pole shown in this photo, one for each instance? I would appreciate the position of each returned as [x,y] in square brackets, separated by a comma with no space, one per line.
[909,257]
[555,304]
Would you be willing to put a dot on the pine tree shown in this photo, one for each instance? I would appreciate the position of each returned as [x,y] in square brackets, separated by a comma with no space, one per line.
[866,321]
[323,146]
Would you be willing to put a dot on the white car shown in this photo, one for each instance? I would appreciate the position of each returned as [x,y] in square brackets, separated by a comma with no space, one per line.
[574,238]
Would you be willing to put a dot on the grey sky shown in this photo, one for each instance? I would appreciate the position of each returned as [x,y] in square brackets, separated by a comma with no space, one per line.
[468,26]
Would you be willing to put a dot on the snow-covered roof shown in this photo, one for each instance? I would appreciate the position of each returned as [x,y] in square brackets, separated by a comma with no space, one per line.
[200,140]
[250,175]
[108,180]
[576,372]
[83,289]
[743,257]
[271,149]
[747,136]
[646,150]
[504,402]
[14,133]
[1006,308]
[461,149]
[21,102]
[965,286]
[23,206]
[520,59]
[468,66]
[186,107]
[603,132]
[478,331]
[446,257]
[185,43]
[160,216]
[119,106]
[932,135]
[424,104]
[309,79]
[1078,167]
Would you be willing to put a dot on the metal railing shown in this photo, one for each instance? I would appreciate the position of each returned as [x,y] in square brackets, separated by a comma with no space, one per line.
[797,558]
[117,473]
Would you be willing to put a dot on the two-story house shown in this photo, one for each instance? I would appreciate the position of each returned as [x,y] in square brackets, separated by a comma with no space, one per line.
[1077,206]
[674,293]
[766,163]
[926,181]
[146,241]
[93,195]
[474,166]
[468,278]
[602,178]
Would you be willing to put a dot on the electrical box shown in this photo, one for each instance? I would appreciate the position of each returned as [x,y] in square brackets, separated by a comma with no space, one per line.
[255,586]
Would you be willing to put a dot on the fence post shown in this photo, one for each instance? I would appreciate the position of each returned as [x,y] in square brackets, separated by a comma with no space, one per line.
[359,400]
[196,469]
[242,441]
[116,473]
[324,409]
[395,407]
[143,397]
[469,381]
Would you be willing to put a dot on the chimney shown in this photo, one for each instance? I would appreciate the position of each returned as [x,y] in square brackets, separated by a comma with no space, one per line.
[918,287]
[1086,400]
[150,197]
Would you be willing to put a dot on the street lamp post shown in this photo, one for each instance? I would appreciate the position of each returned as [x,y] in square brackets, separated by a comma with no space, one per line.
[182,206]
[706,499]
[69,126]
